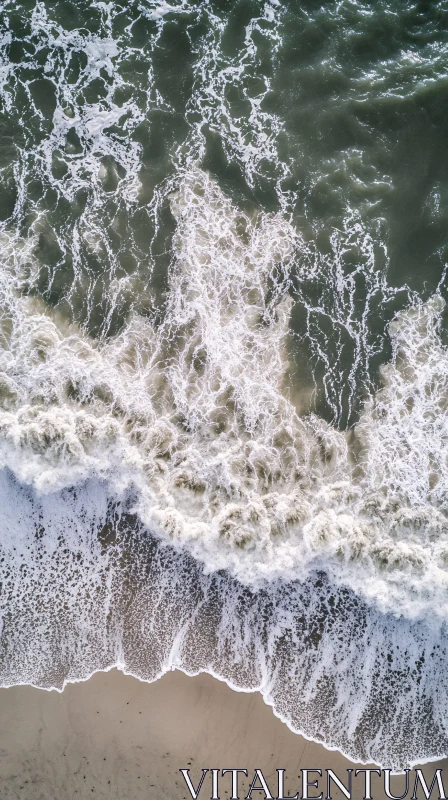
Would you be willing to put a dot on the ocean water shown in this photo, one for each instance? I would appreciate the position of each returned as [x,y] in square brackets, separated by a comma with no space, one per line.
[223,361]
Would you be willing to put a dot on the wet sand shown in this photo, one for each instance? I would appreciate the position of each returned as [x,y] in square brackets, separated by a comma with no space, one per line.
[118,738]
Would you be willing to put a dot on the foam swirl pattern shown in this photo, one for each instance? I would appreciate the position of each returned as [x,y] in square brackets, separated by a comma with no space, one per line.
[223,407]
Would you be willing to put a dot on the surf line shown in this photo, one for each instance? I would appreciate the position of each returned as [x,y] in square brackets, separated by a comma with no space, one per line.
[310,783]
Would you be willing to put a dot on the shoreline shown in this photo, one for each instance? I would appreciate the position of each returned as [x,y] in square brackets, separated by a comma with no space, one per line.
[117,737]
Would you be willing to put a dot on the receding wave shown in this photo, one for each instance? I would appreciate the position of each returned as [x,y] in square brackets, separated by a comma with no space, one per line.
[224,444]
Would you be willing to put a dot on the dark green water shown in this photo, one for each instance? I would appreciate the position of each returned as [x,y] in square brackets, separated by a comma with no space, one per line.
[334,113]
[223,252]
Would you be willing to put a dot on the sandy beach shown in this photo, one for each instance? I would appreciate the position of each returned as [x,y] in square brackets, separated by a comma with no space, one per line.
[118,738]
[223,397]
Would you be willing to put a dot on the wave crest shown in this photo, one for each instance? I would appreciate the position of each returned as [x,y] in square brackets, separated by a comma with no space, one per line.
[192,417]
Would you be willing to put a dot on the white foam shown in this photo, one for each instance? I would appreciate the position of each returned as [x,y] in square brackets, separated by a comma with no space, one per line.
[85,589]
[194,416]
[193,423]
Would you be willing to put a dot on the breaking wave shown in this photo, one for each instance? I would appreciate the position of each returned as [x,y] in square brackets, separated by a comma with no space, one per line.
[171,496]
[194,418]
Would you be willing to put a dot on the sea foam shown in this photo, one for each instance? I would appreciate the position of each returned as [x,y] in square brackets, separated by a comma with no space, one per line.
[192,416]
[170,496]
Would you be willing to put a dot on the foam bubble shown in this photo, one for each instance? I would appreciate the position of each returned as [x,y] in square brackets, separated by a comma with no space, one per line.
[85,588]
